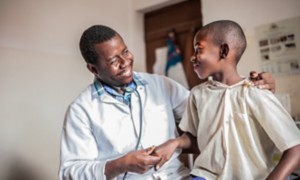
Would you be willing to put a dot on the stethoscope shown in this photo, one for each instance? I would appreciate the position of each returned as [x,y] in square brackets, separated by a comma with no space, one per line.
[136,92]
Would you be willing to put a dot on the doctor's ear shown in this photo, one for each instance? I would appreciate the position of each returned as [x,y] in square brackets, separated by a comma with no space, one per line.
[224,50]
[92,69]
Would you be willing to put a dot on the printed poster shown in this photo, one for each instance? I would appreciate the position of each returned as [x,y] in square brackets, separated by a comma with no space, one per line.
[279,46]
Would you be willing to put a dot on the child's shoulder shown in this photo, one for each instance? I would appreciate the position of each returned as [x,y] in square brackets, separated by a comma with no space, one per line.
[255,93]
[249,85]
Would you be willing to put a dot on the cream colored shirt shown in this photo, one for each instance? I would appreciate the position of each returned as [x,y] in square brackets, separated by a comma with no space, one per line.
[237,129]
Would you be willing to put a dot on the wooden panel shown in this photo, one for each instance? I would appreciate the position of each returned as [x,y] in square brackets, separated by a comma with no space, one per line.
[173,15]
[185,18]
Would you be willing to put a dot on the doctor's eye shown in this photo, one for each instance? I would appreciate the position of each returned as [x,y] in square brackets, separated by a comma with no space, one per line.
[114,62]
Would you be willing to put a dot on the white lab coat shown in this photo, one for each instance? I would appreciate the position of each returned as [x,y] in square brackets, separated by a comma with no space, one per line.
[100,128]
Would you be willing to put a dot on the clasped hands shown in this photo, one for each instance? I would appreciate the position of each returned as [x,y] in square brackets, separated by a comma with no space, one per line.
[140,161]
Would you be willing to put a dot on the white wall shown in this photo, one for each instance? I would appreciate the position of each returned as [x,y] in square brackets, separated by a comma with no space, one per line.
[250,14]
[41,72]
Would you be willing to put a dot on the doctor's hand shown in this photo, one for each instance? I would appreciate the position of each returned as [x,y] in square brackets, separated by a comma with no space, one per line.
[165,151]
[140,161]
[263,80]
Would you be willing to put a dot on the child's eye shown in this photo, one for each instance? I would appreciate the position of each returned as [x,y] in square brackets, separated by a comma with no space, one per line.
[125,52]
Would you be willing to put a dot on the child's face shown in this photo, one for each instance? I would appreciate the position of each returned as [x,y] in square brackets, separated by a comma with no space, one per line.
[206,59]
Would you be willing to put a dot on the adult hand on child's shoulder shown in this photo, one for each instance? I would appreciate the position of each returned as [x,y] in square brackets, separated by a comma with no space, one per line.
[263,80]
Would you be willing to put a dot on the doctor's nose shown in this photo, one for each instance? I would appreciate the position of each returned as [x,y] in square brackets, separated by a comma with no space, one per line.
[125,61]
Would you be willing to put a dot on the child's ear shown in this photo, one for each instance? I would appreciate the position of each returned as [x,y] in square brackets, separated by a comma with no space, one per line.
[224,50]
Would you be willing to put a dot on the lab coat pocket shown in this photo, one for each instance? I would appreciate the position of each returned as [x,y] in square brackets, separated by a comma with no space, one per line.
[110,134]
[157,125]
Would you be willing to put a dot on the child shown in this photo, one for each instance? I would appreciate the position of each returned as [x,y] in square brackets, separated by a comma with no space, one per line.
[236,124]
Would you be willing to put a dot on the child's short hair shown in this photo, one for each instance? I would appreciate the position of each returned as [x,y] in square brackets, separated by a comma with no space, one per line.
[226,31]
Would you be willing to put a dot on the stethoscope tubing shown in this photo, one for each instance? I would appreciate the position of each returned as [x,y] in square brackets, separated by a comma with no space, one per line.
[135,91]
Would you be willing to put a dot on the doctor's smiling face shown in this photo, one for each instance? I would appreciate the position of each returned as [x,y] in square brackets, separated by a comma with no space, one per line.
[115,62]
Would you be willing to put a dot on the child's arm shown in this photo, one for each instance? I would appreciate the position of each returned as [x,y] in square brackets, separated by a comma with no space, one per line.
[288,163]
[166,150]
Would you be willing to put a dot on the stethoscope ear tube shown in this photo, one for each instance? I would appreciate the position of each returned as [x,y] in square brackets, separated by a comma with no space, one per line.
[141,119]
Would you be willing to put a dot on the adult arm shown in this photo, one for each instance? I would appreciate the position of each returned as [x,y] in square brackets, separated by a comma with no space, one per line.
[80,154]
[263,80]
[176,95]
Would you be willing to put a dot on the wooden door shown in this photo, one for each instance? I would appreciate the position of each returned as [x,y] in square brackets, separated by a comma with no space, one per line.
[185,18]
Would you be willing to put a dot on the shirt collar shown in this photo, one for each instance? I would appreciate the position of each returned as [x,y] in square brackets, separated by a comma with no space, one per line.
[216,84]
[99,88]
[131,87]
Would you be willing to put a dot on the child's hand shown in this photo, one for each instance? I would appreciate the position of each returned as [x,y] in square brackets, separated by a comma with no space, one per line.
[165,152]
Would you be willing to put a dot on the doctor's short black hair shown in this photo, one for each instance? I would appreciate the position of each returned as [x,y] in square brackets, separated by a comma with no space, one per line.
[92,36]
